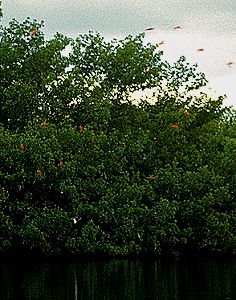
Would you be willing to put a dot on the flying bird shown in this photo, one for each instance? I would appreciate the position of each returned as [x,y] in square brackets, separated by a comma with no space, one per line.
[200,50]
[149,29]
[177,27]
[230,63]
[162,42]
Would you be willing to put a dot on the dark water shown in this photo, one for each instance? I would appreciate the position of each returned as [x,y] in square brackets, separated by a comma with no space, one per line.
[118,279]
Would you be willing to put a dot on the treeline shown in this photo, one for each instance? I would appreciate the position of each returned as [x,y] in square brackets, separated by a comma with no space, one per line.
[85,170]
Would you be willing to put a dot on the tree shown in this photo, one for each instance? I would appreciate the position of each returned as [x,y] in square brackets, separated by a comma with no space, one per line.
[45,83]
[86,168]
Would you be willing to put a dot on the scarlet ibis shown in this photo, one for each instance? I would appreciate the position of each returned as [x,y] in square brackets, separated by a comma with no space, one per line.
[230,63]
[149,29]
[177,27]
[162,42]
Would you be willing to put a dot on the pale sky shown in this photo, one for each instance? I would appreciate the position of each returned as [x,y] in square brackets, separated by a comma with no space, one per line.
[207,24]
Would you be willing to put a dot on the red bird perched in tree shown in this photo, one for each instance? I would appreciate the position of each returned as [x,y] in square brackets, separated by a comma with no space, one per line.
[81,127]
[34,31]
[177,27]
[175,126]
[22,147]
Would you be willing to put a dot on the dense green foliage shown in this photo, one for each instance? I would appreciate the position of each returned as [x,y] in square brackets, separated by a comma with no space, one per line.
[84,170]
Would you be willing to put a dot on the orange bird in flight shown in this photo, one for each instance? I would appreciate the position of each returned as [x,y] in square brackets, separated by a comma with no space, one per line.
[162,42]
[177,27]
[230,63]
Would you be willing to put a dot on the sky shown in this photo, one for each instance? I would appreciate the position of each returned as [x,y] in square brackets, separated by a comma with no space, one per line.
[206,24]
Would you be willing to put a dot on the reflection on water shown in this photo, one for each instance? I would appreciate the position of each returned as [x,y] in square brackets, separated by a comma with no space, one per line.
[118,279]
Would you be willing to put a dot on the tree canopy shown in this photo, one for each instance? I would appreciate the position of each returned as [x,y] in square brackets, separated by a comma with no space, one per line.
[85,168]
